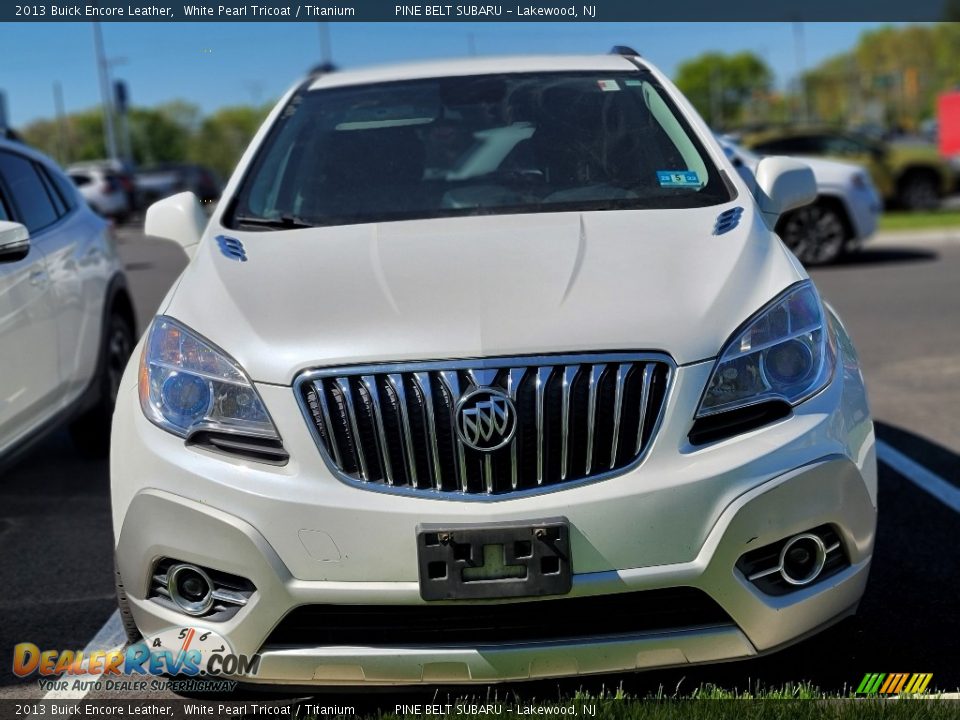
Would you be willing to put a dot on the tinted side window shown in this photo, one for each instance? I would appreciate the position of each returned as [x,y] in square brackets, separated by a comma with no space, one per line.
[54,194]
[63,186]
[33,203]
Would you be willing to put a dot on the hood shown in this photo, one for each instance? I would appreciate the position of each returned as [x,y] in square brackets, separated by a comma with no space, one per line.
[656,280]
[833,172]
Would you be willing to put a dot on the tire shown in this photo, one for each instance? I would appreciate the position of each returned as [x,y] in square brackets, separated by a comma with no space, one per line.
[126,617]
[91,431]
[816,234]
[919,190]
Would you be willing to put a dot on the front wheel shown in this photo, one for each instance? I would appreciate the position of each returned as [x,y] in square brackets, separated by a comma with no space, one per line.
[91,431]
[816,234]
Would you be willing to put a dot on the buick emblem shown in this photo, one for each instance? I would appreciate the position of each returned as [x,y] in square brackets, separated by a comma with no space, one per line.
[486,419]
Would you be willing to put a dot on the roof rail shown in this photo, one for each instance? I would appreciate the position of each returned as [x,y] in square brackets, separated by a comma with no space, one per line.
[322,69]
[624,50]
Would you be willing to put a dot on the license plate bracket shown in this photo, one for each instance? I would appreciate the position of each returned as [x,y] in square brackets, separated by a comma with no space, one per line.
[500,560]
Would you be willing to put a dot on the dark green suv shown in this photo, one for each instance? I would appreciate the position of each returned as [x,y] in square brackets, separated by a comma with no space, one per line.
[911,176]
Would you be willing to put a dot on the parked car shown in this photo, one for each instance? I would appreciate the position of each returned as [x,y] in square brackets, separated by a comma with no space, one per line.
[841,218]
[66,320]
[909,175]
[103,192]
[160,181]
[583,379]
[121,171]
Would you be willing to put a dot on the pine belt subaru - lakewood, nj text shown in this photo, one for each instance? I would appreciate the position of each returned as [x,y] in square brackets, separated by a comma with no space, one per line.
[490,370]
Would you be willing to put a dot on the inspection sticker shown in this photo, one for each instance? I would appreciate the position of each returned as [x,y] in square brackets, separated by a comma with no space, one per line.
[608,85]
[678,178]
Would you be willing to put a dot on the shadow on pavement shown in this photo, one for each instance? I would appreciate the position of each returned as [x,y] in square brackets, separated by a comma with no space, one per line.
[942,461]
[883,256]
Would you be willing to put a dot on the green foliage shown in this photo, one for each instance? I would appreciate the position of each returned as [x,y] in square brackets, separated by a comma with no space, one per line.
[892,77]
[172,132]
[726,89]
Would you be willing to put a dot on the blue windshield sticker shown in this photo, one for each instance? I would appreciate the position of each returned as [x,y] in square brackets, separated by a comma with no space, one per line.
[678,178]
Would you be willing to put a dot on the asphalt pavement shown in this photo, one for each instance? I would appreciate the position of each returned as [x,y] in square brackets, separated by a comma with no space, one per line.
[900,299]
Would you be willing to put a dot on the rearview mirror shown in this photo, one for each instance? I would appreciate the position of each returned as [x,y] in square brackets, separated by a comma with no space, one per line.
[783,184]
[179,218]
[14,241]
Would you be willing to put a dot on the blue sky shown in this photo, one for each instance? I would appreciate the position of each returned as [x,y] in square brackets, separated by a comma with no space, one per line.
[218,64]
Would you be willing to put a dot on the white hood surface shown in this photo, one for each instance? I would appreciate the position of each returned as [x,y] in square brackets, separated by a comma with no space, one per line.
[482,287]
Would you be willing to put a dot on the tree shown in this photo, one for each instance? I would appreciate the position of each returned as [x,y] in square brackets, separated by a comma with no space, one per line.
[726,89]
[222,137]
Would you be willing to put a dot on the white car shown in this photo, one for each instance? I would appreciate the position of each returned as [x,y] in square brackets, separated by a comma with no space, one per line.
[66,319]
[839,221]
[415,416]
[103,191]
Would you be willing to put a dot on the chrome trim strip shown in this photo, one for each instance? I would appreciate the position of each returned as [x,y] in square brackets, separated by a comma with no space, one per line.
[383,449]
[229,596]
[344,384]
[423,382]
[396,382]
[519,364]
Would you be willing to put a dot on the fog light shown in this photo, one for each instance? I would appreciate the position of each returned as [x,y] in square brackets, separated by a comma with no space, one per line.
[802,559]
[190,588]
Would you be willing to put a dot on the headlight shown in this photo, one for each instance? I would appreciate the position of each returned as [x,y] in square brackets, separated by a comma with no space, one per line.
[784,353]
[187,384]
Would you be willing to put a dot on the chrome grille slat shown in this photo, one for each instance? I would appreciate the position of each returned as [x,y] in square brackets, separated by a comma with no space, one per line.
[596,372]
[383,450]
[644,401]
[396,382]
[451,380]
[344,384]
[514,378]
[622,371]
[540,388]
[393,427]
[422,379]
[569,374]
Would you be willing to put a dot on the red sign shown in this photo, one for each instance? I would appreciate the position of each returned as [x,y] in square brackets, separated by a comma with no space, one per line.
[948,116]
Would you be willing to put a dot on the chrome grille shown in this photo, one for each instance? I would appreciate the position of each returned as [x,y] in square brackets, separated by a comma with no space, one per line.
[578,418]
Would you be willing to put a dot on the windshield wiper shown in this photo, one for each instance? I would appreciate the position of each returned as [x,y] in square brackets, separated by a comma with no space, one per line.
[284,222]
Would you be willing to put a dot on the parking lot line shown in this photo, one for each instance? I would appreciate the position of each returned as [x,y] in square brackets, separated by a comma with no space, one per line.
[942,490]
[110,637]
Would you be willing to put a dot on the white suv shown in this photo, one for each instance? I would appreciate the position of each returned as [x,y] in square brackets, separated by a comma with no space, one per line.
[66,320]
[490,370]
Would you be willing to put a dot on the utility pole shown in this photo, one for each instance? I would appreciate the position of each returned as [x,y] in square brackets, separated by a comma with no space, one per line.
[3,115]
[799,46]
[63,153]
[105,92]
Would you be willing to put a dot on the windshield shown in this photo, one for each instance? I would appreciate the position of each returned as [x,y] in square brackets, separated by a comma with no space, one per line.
[476,145]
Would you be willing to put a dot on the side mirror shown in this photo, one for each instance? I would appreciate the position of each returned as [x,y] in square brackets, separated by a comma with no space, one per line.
[783,184]
[14,241]
[179,218]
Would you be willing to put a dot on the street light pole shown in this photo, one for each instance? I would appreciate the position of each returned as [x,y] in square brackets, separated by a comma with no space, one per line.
[105,92]
[326,49]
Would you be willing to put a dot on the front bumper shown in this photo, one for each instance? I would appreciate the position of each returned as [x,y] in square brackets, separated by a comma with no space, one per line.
[682,518]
